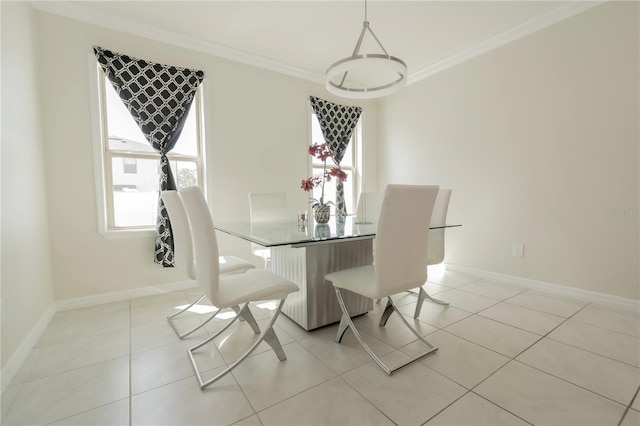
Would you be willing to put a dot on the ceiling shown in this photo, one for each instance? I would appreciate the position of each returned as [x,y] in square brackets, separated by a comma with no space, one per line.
[302,38]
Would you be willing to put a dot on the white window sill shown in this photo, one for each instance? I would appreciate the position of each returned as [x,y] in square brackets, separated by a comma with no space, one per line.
[128,233]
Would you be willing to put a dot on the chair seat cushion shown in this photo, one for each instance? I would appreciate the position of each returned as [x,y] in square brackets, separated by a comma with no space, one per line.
[362,280]
[359,280]
[254,284]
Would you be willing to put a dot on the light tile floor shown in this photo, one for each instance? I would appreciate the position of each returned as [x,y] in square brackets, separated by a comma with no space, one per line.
[507,356]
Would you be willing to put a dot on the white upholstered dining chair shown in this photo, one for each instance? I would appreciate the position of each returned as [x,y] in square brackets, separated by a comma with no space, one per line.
[184,259]
[436,244]
[226,291]
[267,207]
[401,245]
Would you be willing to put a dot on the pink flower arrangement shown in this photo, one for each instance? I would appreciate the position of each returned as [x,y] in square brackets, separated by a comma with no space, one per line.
[322,152]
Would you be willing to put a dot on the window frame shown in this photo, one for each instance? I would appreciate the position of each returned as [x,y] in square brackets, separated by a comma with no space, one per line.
[103,157]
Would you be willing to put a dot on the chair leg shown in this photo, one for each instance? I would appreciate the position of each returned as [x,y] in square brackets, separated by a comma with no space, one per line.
[390,305]
[342,328]
[349,324]
[388,310]
[246,315]
[272,340]
[267,335]
[421,296]
[413,330]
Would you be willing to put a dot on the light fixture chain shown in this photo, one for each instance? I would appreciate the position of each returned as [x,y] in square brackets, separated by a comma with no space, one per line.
[359,61]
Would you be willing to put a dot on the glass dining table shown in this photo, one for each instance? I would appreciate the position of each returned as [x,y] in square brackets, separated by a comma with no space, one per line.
[304,254]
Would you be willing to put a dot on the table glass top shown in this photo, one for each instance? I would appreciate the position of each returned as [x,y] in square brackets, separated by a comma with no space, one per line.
[271,234]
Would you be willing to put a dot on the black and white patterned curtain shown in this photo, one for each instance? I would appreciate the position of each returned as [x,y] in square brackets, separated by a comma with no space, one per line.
[337,123]
[158,98]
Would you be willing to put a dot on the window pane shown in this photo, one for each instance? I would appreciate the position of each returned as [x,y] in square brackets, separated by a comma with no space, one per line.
[347,159]
[135,195]
[130,165]
[188,142]
[125,135]
[186,173]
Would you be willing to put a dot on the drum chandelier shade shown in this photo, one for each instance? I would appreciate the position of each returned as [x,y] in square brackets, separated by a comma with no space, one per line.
[336,75]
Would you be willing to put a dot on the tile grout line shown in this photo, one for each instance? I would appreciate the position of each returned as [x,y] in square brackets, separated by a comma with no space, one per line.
[448,405]
[568,381]
[511,359]
[502,408]
[339,376]
[591,325]
[626,411]
[470,390]
[364,397]
[546,335]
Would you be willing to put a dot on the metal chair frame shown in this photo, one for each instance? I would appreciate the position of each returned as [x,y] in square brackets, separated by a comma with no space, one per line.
[346,323]
[246,316]
[268,335]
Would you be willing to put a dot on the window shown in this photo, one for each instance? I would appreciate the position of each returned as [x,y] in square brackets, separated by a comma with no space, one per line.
[349,164]
[130,166]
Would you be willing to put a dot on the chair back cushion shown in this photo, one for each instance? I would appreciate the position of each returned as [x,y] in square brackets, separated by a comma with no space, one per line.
[268,207]
[181,231]
[204,241]
[435,253]
[402,237]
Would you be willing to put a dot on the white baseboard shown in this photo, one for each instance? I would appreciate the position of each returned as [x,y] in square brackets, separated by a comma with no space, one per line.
[119,296]
[556,289]
[10,369]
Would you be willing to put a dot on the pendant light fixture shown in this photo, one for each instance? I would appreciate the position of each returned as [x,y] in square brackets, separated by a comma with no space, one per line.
[372,74]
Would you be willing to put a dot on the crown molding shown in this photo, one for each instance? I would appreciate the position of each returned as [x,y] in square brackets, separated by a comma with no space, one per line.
[574,8]
[112,21]
[77,11]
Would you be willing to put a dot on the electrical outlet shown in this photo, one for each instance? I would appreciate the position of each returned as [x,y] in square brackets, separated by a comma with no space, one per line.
[517,250]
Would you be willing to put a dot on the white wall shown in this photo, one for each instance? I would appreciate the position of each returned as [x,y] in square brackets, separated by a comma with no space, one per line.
[257,134]
[539,141]
[27,290]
